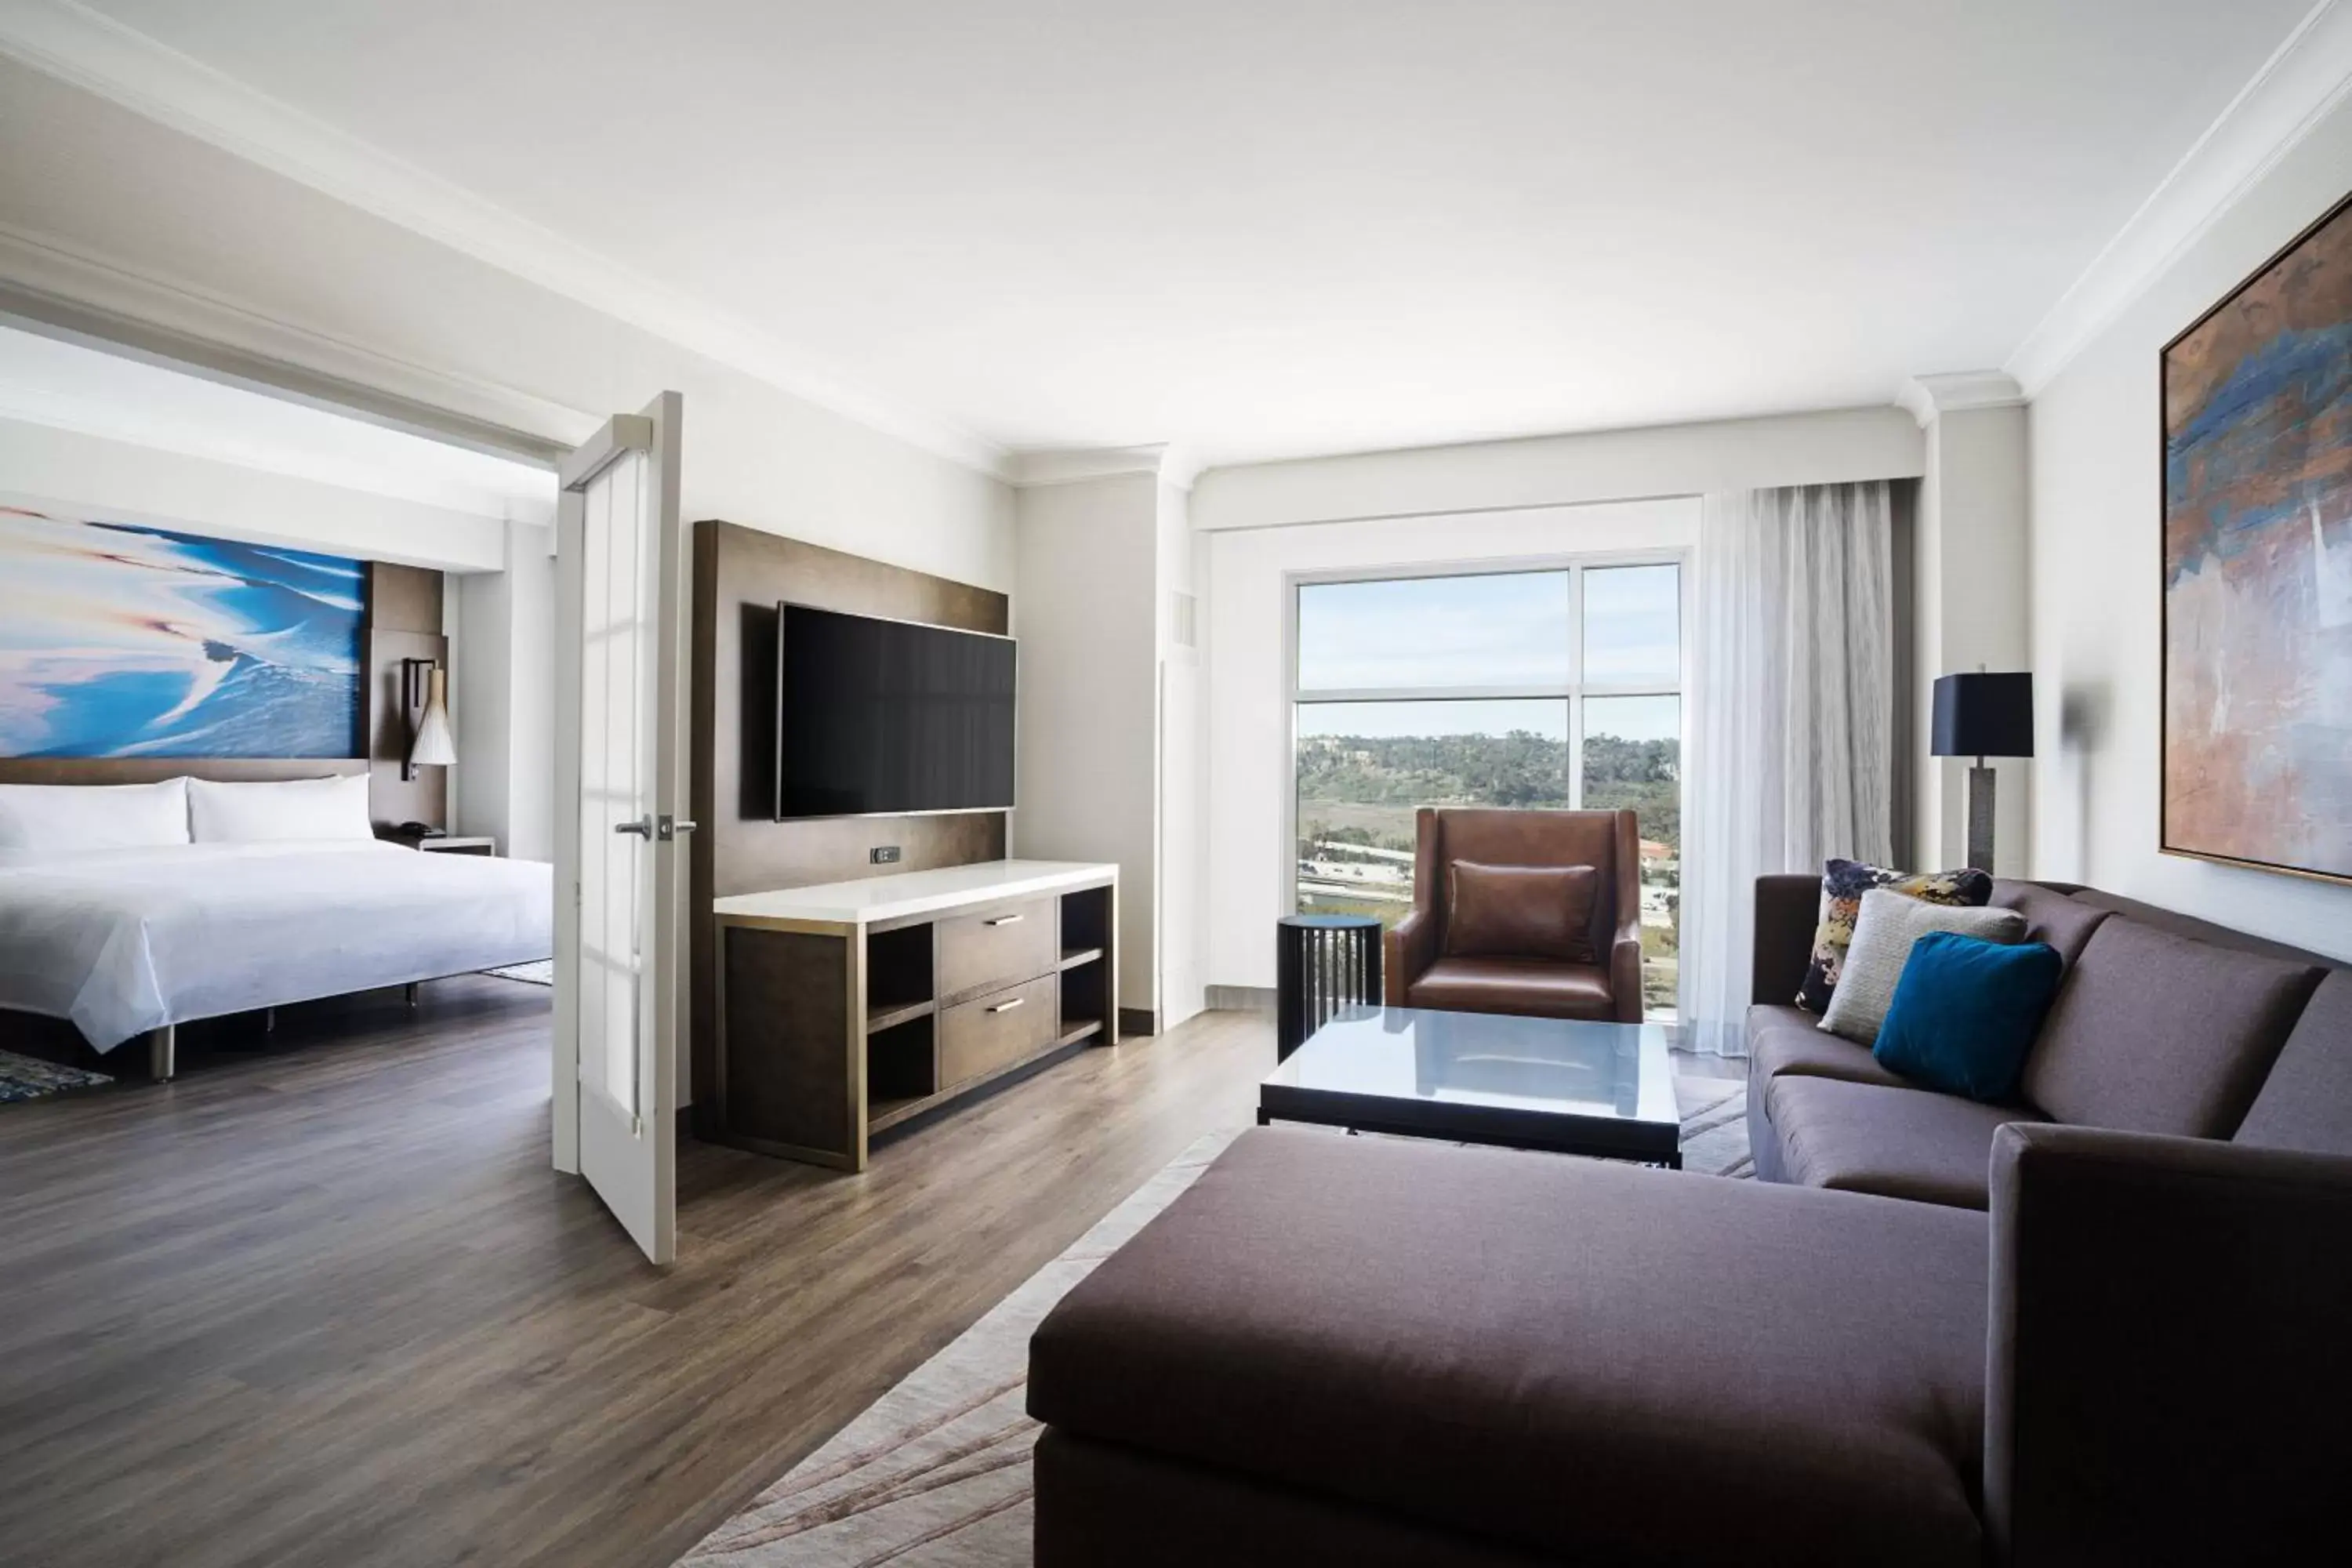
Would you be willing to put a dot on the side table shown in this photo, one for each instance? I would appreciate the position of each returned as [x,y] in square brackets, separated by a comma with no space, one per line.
[1321,963]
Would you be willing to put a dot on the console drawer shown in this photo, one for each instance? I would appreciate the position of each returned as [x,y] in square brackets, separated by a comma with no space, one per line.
[986,1033]
[984,953]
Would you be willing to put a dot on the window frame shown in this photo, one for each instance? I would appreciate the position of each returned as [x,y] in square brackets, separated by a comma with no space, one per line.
[1573,691]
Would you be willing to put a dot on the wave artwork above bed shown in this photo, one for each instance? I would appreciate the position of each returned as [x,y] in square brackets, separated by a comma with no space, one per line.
[121,640]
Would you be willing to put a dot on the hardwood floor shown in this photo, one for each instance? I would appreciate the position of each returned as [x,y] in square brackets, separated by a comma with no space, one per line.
[328,1305]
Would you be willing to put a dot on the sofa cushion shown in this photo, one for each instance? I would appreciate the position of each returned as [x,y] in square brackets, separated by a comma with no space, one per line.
[1844,883]
[1547,1352]
[1897,1142]
[2154,1032]
[2305,1103]
[2051,917]
[1536,987]
[1965,1011]
[1784,1039]
[1881,950]
[1520,911]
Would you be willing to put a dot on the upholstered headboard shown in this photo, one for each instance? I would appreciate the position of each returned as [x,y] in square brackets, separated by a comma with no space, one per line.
[148,770]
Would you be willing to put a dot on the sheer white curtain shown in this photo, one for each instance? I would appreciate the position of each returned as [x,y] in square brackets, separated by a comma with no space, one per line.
[1793,708]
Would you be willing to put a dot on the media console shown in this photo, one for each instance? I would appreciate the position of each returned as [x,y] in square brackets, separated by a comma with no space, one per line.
[849,1009]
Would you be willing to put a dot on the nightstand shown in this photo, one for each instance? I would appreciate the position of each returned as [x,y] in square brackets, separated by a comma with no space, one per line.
[449,846]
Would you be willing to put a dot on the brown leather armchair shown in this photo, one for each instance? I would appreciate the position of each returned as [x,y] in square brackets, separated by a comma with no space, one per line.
[1423,969]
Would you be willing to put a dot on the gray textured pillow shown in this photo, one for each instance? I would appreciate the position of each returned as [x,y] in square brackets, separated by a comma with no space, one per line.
[1882,934]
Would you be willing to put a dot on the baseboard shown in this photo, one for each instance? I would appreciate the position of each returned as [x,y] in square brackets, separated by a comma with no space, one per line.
[1239,998]
[1137,1021]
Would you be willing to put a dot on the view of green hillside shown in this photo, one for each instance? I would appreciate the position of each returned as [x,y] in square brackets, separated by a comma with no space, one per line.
[1358,793]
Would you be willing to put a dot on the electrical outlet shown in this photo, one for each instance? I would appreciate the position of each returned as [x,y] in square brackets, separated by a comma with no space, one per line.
[883,855]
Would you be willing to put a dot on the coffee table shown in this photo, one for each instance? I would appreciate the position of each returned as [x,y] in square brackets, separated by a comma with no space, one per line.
[1574,1087]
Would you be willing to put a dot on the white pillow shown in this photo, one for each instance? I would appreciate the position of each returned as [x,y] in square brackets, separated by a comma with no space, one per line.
[93,816]
[1882,934]
[274,813]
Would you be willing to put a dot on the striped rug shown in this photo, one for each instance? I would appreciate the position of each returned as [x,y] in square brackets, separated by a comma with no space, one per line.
[936,1473]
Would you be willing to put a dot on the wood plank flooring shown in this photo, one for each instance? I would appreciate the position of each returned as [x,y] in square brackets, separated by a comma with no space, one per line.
[324,1303]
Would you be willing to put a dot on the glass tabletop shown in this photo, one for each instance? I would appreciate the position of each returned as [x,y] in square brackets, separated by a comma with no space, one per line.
[1565,1066]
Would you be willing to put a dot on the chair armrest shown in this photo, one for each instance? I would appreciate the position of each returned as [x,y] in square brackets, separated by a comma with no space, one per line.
[1626,967]
[1787,909]
[2166,1379]
[1407,949]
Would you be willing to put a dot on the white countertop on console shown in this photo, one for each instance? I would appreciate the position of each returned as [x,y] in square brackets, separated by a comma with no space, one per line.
[903,893]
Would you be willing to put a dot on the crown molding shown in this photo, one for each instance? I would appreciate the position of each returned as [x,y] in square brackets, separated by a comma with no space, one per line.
[1926,396]
[2305,79]
[78,296]
[1038,469]
[100,55]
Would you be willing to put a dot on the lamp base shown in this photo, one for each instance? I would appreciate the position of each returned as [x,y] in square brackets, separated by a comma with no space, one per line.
[1980,809]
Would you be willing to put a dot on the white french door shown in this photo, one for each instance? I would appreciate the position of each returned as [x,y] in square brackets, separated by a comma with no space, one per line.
[620,790]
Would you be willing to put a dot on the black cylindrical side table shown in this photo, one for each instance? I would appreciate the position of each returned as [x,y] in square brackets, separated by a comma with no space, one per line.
[1321,963]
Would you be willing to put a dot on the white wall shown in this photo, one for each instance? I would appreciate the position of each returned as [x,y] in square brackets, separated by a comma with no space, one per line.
[503,697]
[90,476]
[2096,504]
[1559,470]
[1970,609]
[1089,719]
[1249,740]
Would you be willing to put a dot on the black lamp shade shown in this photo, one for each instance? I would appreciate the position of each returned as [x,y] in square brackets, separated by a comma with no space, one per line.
[1984,715]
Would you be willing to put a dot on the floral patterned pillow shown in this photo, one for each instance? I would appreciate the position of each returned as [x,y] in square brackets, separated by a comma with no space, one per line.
[1844,882]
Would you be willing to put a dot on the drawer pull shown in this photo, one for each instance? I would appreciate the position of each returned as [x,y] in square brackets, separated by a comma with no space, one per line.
[1005,921]
[1008,1006]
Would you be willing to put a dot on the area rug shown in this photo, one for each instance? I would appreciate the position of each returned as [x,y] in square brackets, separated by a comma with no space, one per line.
[23,1078]
[935,1474]
[539,972]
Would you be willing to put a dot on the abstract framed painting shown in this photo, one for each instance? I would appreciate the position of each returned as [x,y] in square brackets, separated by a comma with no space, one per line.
[122,640]
[2257,553]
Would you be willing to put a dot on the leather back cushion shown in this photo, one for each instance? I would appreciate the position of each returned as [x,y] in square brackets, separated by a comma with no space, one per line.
[1520,911]
[2305,1103]
[2155,1032]
[1533,838]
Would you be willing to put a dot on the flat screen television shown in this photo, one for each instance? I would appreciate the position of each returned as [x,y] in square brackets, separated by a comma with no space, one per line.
[880,718]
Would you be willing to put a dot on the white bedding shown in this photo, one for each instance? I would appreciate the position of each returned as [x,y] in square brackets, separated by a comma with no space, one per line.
[125,940]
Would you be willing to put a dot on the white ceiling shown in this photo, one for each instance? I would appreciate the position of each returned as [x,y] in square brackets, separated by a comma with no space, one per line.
[1259,228]
[68,387]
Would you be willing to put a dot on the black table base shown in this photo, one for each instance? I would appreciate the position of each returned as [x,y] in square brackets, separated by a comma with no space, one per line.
[1321,963]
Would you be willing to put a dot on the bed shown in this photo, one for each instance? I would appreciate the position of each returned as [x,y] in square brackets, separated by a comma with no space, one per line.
[126,941]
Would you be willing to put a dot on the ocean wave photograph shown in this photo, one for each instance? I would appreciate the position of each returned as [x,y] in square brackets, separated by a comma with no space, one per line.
[122,640]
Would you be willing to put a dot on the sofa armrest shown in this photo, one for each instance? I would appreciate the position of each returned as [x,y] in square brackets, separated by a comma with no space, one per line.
[1626,968]
[1407,948]
[1787,909]
[2164,1380]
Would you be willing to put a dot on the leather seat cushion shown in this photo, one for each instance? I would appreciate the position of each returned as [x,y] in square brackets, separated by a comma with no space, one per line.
[1537,987]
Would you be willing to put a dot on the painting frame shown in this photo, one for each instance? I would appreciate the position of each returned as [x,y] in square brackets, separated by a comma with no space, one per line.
[2266,269]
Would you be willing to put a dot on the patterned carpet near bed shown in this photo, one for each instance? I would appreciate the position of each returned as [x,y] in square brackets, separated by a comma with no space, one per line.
[539,971]
[22,1078]
[935,1474]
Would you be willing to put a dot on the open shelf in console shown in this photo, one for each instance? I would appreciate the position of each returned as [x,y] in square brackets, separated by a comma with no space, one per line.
[1086,967]
[901,1068]
[897,977]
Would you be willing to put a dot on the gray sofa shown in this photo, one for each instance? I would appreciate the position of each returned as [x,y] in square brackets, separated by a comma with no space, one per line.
[1341,1350]
[2163,1023]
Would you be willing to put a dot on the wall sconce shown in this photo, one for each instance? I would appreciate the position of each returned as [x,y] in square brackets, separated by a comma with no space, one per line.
[425,700]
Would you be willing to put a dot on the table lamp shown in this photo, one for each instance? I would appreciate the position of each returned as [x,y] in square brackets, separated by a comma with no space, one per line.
[1983,715]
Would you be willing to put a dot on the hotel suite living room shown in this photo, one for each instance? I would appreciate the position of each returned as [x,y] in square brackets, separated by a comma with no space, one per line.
[793,785]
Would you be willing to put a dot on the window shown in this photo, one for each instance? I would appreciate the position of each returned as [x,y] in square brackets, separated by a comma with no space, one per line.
[1558,687]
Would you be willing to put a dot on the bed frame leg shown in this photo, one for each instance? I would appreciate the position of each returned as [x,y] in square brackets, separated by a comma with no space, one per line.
[411,989]
[162,1052]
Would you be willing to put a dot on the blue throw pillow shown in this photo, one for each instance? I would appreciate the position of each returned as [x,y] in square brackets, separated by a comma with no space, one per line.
[1965,1011]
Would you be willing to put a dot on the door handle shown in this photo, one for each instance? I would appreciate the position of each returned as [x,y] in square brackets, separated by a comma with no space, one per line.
[1005,921]
[668,827]
[643,827]
[1008,1006]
